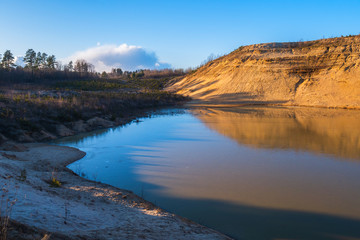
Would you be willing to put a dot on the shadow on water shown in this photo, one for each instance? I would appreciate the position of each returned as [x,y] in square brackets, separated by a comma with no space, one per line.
[240,221]
[248,222]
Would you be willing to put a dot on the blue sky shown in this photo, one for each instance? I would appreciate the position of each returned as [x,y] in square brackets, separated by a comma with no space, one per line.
[180,33]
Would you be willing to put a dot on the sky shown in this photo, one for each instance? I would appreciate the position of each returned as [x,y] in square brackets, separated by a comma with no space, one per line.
[160,34]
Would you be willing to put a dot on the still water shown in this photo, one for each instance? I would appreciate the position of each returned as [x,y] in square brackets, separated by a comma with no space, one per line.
[251,173]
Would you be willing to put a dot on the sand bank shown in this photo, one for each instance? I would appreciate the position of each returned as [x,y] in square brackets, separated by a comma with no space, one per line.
[80,209]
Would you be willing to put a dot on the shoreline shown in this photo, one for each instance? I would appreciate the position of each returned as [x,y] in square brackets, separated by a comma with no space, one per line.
[43,160]
[204,103]
[80,208]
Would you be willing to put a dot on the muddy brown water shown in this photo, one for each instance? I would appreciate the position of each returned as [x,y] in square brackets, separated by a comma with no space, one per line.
[248,172]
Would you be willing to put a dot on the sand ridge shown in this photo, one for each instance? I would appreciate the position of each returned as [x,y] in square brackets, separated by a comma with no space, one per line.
[322,73]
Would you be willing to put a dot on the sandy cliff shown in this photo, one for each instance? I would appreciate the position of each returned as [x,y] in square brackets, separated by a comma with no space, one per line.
[322,73]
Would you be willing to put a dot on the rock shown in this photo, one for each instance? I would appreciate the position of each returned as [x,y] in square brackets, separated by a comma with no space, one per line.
[97,122]
[9,156]
[23,137]
[63,131]
[13,147]
[43,136]
[2,139]
[79,126]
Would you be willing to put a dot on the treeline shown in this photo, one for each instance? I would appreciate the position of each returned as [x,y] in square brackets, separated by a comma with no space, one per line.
[144,73]
[41,66]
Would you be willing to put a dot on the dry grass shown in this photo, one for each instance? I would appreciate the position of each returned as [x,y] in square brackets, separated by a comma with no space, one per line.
[29,109]
[6,205]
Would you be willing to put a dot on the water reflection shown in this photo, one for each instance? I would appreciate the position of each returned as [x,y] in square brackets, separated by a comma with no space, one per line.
[329,131]
[284,167]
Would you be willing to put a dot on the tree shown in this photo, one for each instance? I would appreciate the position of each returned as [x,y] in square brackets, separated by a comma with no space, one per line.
[30,58]
[91,68]
[116,71]
[51,62]
[119,71]
[7,60]
[43,60]
[82,66]
[77,66]
[70,66]
[140,73]
[38,60]
[59,66]
[104,74]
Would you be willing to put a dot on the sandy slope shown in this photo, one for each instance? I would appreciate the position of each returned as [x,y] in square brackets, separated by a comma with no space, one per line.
[322,73]
[81,209]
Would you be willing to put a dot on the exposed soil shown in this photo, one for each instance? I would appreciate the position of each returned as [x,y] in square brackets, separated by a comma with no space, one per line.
[322,73]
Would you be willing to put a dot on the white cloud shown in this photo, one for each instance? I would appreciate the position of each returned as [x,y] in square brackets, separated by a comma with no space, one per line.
[19,61]
[126,57]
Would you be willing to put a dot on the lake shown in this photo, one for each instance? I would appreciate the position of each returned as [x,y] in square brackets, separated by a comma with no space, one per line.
[248,172]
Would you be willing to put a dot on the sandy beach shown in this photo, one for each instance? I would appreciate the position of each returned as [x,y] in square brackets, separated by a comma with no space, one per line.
[79,208]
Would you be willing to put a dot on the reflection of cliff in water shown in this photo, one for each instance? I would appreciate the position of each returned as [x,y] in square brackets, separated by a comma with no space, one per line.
[328,131]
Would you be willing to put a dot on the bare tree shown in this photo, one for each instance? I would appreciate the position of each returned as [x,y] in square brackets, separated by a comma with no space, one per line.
[82,66]
[70,66]
[91,68]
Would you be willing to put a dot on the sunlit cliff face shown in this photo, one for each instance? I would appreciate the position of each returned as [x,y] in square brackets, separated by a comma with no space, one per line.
[317,73]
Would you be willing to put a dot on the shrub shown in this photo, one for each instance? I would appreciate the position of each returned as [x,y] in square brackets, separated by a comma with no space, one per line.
[22,176]
[6,205]
[54,182]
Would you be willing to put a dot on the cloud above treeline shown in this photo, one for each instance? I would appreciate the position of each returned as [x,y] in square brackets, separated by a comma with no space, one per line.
[19,61]
[126,57]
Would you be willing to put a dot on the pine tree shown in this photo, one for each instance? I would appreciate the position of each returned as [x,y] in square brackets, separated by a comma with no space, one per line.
[8,60]
[43,60]
[50,62]
[30,58]
[38,60]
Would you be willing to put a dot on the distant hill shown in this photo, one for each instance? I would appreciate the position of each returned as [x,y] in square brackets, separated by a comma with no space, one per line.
[324,73]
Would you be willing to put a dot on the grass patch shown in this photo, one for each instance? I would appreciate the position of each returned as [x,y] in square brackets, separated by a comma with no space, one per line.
[55,182]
